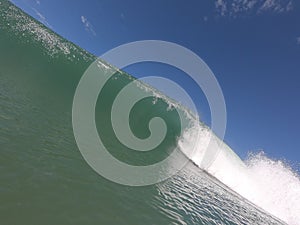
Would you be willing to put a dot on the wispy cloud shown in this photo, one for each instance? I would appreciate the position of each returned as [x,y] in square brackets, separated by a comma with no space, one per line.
[236,8]
[221,6]
[37,2]
[88,26]
[277,6]
[41,17]
[298,40]
[122,16]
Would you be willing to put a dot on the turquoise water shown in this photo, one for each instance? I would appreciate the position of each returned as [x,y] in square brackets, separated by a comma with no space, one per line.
[44,178]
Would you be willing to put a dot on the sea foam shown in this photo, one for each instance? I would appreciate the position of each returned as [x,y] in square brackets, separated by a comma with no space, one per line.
[270,184]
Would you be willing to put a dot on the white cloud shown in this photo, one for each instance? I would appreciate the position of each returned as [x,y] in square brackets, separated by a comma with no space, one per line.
[88,26]
[221,6]
[122,16]
[298,40]
[278,6]
[235,8]
[37,2]
[290,6]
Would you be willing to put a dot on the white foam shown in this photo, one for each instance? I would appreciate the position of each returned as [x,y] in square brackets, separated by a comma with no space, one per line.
[270,184]
[278,187]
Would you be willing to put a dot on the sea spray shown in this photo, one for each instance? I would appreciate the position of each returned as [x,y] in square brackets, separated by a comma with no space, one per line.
[278,187]
[269,184]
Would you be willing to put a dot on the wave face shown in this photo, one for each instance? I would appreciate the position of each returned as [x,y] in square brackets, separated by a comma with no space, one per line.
[46,181]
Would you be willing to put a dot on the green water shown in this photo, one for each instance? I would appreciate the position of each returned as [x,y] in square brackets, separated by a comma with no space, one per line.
[45,180]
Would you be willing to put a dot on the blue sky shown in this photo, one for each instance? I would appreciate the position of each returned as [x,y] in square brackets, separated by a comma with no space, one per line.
[252,46]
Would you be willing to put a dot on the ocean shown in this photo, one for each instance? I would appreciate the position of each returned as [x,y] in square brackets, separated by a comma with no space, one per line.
[44,178]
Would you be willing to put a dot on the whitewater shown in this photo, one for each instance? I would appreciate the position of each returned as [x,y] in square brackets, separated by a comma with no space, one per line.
[270,184]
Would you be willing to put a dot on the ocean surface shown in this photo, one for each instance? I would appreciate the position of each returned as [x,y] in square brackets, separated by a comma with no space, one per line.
[45,180]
